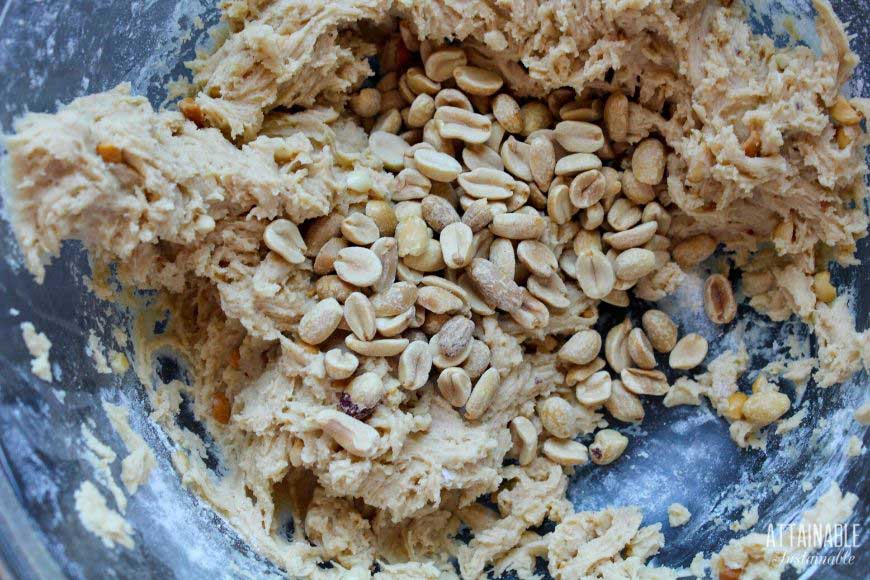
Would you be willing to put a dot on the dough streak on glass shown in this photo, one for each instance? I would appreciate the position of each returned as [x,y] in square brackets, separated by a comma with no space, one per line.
[180,203]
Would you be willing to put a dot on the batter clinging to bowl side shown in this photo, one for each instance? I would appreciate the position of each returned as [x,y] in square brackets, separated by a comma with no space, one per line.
[385,293]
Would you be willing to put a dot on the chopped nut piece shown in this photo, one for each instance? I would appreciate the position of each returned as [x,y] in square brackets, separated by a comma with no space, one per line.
[595,274]
[595,389]
[438,300]
[557,417]
[844,137]
[340,364]
[436,165]
[496,288]
[221,409]
[660,329]
[734,407]
[192,111]
[765,407]
[455,336]
[283,237]
[414,365]
[624,405]
[110,153]
[477,215]
[719,300]
[431,260]
[616,116]
[844,113]
[455,386]
[822,287]
[525,439]
[692,251]
[320,322]
[565,452]
[607,446]
[353,435]
[644,382]
[538,258]
[579,137]
[634,263]
[366,390]
[689,352]
[441,64]
[515,158]
[752,144]
[648,161]
[587,188]
[412,236]
[482,394]
[456,245]
[360,229]
[379,347]
[616,346]
[467,126]
[360,316]
[477,81]
[487,183]
[582,348]
[577,163]
[389,148]
[518,226]
[358,266]
[366,103]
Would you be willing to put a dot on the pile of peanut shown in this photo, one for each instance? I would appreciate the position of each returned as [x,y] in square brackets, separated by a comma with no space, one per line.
[500,208]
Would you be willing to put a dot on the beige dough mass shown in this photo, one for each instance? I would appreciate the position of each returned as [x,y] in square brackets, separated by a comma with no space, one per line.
[186,209]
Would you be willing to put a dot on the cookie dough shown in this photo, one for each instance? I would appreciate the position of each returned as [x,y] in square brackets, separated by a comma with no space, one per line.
[137,465]
[301,267]
[101,520]
[678,515]
[39,347]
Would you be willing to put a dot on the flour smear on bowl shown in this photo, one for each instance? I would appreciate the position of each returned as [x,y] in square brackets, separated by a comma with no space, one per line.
[414,253]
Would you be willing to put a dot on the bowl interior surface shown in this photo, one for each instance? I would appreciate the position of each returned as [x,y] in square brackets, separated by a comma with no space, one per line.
[55,50]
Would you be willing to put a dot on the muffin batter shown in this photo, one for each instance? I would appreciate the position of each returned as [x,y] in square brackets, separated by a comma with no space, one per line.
[314,370]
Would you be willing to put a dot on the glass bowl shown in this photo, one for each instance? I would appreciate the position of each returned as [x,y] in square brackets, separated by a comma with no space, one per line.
[55,50]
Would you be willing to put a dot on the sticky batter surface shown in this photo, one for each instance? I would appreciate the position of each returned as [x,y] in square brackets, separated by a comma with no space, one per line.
[763,154]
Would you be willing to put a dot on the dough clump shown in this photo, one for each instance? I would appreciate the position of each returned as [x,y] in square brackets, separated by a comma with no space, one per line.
[381,336]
